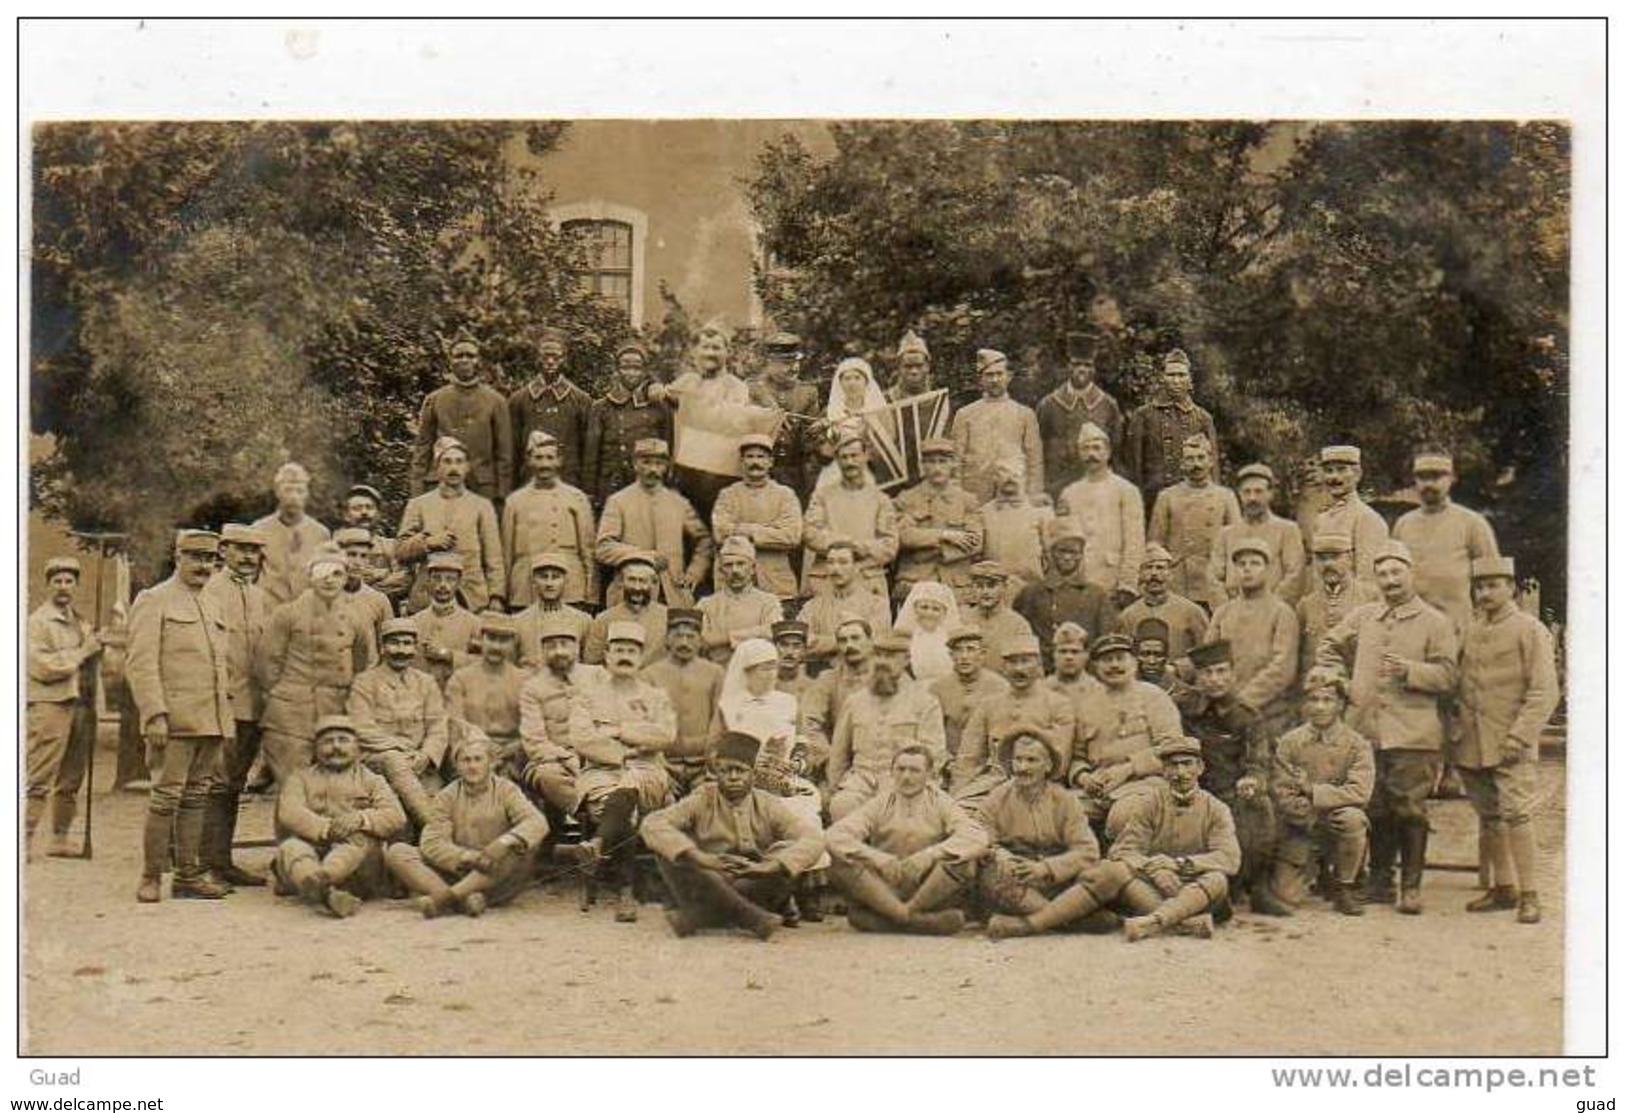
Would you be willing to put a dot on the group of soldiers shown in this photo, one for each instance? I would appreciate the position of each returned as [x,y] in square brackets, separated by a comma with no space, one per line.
[1007,693]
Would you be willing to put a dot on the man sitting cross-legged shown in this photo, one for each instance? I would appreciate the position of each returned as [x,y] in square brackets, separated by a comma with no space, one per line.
[1045,870]
[332,820]
[906,853]
[730,853]
[480,847]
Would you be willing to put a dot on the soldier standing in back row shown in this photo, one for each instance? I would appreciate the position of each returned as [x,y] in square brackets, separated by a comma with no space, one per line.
[552,404]
[625,415]
[996,427]
[1445,537]
[795,460]
[548,515]
[939,524]
[473,413]
[1157,431]
[1075,403]
[1346,513]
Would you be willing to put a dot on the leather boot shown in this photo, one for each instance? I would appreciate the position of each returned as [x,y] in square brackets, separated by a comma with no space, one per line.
[1189,901]
[1502,898]
[868,889]
[1072,903]
[150,891]
[1413,849]
[1263,899]
[1343,899]
[735,906]
[948,922]
[1520,844]
[1528,907]
[1384,846]
[155,838]
[939,889]
[1009,927]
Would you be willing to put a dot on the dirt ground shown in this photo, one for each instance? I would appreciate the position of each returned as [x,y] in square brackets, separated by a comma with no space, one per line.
[257,974]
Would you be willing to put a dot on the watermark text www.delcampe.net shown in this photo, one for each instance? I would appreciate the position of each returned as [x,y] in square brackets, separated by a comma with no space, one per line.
[1410,1075]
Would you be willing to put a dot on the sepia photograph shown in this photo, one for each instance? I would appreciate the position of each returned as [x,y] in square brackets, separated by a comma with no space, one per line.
[950,584]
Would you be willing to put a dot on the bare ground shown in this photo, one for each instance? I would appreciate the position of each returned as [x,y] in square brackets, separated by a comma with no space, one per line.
[256,974]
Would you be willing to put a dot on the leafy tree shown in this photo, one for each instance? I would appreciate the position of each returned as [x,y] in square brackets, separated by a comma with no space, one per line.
[212,299]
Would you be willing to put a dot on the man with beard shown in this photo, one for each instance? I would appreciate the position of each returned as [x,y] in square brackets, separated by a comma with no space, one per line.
[1157,431]
[887,714]
[621,726]
[454,519]
[1263,634]
[1179,843]
[445,629]
[649,518]
[549,573]
[480,849]
[992,615]
[1111,512]
[1120,726]
[763,511]
[693,685]
[843,593]
[1509,689]
[1187,623]
[485,694]
[1346,514]
[1321,782]
[738,611]
[399,717]
[371,605]
[1283,540]
[907,854]
[312,650]
[940,528]
[731,853]
[550,403]
[971,685]
[177,674]
[994,427]
[1044,871]
[544,718]
[1028,706]
[625,415]
[1332,595]
[386,565]
[708,386]
[1445,538]
[1064,595]
[853,510]
[1065,410]
[826,698]
[549,516]
[1404,656]
[333,817]
[60,708]
[1187,518]
[780,388]
[1236,760]
[290,535]
[636,576]
[473,414]
[245,610]
[913,369]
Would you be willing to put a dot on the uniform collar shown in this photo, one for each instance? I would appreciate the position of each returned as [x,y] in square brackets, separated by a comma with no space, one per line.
[561,388]
[1408,609]
[620,395]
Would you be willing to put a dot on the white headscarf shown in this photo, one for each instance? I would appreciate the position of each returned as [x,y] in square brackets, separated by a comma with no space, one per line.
[766,718]
[843,417]
[928,649]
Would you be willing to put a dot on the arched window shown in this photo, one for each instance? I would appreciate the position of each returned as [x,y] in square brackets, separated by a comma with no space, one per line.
[607,270]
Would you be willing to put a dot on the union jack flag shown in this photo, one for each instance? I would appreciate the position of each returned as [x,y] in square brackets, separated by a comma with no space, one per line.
[896,433]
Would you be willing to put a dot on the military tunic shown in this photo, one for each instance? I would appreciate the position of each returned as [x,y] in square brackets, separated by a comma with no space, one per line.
[1015,537]
[1263,636]
[1112,514]
[652,618]
[1055,600]
[868,733]
[1154,444]
[488,699]
[528,623]
[637,519]
[619,420]
[905,825]
[761,826]
[557,519]
[1353,519]
[1064,411]
[1286,570]
[1187,623]
[923,513]
[478,416]
[473,520]
[993,429]
[246,610]
[1396,713]
[730,619]
[560,408]
[693,690]
[1319,611]
[774,519]
[795,459]
[1202,830]
[959,700]
[824,611]
[998,628]
[862,514]
[453,631]
[1118,727]
[287,548]
[1186,520]
[1046,824]
[1509,688]
[398,714]
[311,653]
[1444,543]
[977,767]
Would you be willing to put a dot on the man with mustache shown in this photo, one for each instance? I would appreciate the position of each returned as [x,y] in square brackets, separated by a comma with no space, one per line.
[890,712]
[764,512]
[1263,636]
[1186,622]
[545,702]
[1111,512]
[738,610]
[996,426]
[843,593]
[485,694]
[1120,726]
[969,686]
[1065,410]
[637,578]
[693,684]
[1333,593]
[1255,488]
[475,415]
[1028,705]
[1445,537]
[399,718]
[1064,594]
[548,515]
[1346,514]
[940,527]
[824,700]
[386,565]
[992,614]
[550,403]
[625,415]
[1188,517]
[290,535]
[371,605]
[651,519]
[853,510]
[455,519]
[445,629]
[780,387]
[549,573]
[1157,431]
[60,645]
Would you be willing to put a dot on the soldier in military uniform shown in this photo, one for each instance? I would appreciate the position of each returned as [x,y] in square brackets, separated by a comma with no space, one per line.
[1075,403]
[1111,512]
[1255,486]
[843,594]
[766,513]
[1263,633]
[693,684]
[372,605]
[485,694]
[1120,725]
[795,457]
[1332,594]
[1346,514]
[456,519]
[549,575]
[399,717]
[637,579]
[290,535]
[177,670]
[385,568]
[333,817]
[1187,519]
[1064,595]
[969,686]
[552,404]
[1157,431]
[651,518]
[473,413]
[545,701]
[996,427]
[940,529]
[246,610]
[888,713]
[625,415]
[1187,623]
[737,611]
[445,629]
[60,645]
[913,376]
[854,510]
[1028,705]
[991,614]
[1509,690]
[1445,537]
[549,515]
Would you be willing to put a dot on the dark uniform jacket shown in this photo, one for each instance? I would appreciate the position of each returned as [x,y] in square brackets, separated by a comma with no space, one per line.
[619,420]
[560,408]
